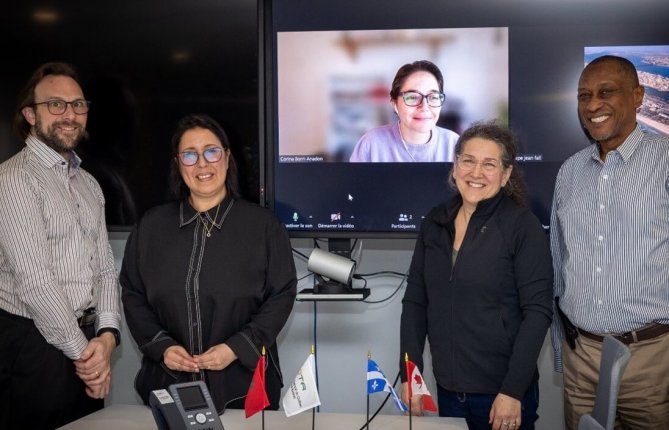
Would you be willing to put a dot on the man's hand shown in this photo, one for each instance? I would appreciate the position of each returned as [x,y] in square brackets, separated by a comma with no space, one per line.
[94,365]
[217,357]
[100,391]
[416,403]
[177,358]
[95,362]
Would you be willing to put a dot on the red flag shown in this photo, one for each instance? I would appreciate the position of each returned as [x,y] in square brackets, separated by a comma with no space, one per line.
[256,398]
[417,386]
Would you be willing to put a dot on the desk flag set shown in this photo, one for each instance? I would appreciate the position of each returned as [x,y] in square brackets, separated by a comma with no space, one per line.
[417,385]
[256,398]
[303,392]
[377,382]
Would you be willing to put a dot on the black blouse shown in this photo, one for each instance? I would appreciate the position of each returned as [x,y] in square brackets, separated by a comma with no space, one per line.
[236,286]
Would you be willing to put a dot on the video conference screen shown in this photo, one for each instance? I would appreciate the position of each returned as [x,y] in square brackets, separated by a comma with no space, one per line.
[519,63]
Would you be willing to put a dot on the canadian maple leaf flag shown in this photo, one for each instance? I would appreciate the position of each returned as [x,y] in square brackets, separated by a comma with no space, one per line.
[417,386]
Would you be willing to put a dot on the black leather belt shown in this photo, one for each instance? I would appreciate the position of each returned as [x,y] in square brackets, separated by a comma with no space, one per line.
[649,331]
[88,318]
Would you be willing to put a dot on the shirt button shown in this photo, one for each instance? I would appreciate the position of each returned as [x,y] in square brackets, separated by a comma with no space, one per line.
[601,206]
[605,176]
[600,238]
[599,269]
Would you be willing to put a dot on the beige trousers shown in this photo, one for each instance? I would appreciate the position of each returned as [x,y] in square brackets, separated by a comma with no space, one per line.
[643,400]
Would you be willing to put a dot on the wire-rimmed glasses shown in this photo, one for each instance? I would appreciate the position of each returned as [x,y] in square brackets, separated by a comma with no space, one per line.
[467,163]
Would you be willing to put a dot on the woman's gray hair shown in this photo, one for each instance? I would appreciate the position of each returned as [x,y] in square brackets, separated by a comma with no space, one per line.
[508,143]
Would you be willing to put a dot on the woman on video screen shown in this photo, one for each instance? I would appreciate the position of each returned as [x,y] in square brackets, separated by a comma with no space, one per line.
[417,95]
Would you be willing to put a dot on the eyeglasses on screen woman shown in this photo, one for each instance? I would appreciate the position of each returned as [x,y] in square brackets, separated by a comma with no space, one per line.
[211,155]
[414,98]
[467,163]
[58,107]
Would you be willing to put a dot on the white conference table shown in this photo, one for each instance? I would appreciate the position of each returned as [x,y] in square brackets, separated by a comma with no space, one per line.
[135,417]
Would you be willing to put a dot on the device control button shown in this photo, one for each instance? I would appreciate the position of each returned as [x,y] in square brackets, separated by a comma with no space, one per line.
[200,418]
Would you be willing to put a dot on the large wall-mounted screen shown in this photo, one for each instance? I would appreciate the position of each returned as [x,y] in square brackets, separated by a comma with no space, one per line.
[329,69]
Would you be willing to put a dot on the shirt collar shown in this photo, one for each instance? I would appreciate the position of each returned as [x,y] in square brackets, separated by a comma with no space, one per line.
[188,214]
[483,208]
[627,148]
[48,156]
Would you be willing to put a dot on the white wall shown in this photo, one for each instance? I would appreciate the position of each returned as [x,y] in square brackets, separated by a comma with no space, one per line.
[345,332]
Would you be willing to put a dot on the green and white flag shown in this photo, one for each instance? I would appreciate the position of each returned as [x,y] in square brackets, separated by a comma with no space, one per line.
[302,393]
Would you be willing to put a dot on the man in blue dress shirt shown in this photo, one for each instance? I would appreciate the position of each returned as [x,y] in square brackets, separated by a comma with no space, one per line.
[610,245]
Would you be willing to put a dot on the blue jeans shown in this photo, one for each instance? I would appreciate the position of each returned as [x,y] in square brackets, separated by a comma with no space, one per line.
[475,408]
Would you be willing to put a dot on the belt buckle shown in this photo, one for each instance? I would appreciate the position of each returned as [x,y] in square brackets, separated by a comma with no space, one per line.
[87,318]
[627,338]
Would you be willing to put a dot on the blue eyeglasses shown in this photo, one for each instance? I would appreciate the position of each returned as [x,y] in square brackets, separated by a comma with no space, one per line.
[211,155]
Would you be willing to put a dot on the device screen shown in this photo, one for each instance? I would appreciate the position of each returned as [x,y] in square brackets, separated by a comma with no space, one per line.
[192,398]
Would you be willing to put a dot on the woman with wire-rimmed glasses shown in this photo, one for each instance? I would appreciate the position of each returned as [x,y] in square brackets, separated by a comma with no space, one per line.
[480,290]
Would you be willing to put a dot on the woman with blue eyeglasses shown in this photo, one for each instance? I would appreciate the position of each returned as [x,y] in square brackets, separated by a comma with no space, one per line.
[480,290]
[209,279]
[417,95]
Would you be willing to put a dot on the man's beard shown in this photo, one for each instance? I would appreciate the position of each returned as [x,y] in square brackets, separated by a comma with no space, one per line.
[56,142]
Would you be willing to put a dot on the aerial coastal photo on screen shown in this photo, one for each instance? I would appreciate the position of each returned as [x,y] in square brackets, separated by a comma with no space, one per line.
[652,64]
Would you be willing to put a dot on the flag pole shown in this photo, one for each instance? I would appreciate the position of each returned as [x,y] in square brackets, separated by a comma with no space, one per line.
[263,411]
[406,366]
[313,410]
[369,357]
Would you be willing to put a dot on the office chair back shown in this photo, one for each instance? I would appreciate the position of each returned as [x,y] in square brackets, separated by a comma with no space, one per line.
[587,422]
[615,356]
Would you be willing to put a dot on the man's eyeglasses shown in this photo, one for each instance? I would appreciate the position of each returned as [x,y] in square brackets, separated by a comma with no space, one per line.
[58,107]
[467,163]
[414,98]
[211,155]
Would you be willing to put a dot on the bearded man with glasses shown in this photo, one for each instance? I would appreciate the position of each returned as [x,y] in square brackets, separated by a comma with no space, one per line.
[59,298]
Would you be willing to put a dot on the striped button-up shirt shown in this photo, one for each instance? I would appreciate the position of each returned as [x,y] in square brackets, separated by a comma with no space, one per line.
[610,237]
[55,258]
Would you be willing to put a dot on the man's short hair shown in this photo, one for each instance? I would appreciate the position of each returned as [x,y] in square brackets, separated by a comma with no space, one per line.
[625,66]
[27,94]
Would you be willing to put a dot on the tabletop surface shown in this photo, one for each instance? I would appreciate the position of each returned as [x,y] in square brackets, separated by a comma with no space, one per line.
[135,417]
